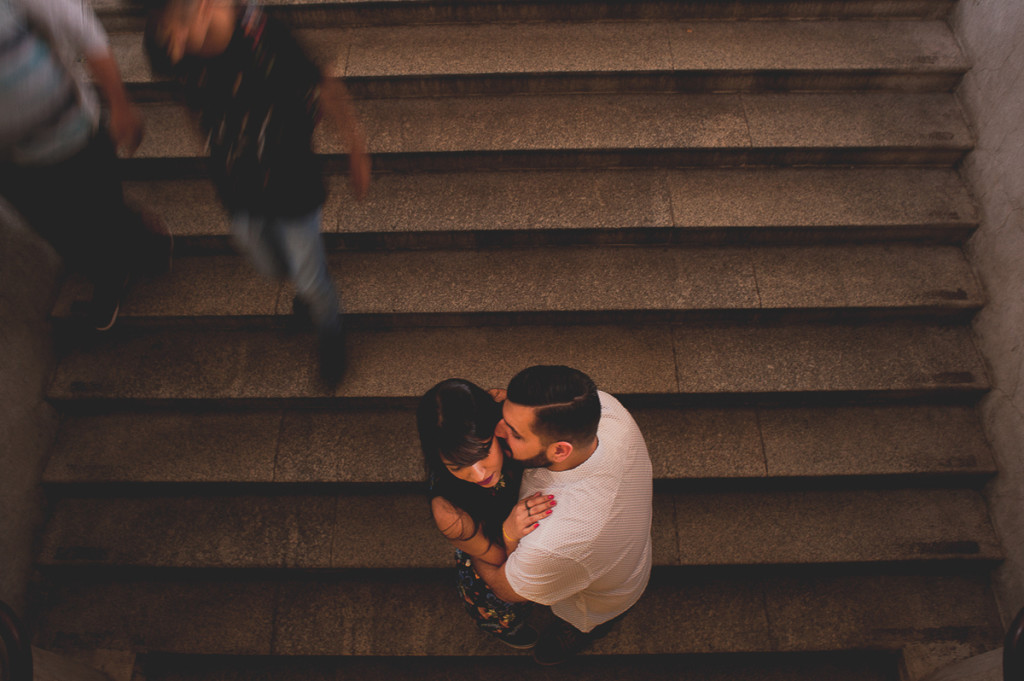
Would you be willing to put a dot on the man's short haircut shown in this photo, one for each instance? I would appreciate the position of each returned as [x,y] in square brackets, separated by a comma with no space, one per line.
[566,404]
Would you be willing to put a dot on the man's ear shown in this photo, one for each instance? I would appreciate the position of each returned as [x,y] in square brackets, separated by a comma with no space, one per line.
[559,451]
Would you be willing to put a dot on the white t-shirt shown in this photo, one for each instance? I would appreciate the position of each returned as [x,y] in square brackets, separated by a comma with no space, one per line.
[590,560]
[57,110]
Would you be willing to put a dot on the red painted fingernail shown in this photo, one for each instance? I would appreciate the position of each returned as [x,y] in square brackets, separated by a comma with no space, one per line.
[551,496]
[536,524]
[548,513]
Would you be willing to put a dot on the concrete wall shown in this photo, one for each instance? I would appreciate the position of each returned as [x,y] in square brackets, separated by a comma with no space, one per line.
[991,33]
[29,272]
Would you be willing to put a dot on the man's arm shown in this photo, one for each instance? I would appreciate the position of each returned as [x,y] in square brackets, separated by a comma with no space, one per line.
[337,106]
[75,26]
[125,122]
[494,576]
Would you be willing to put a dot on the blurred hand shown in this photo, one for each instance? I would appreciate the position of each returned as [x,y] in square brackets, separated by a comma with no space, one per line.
[359,173]
[126,128]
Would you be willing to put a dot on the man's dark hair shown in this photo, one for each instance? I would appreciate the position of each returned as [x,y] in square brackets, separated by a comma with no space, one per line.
[566,404]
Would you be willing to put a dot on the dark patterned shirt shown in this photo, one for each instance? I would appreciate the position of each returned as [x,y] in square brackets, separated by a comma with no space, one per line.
[259,103]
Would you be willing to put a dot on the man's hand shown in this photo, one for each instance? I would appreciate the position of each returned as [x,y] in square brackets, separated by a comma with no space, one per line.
[125,121]
[359,173]
[498,394]
[337,107]
[126,128]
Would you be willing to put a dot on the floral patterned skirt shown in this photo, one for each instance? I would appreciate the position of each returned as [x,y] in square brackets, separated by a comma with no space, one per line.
[492,614]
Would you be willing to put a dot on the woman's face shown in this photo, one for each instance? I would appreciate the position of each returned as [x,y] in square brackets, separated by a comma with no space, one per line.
[486,472]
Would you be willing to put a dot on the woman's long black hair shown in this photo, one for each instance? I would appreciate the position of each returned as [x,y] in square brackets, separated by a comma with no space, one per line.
[456,421]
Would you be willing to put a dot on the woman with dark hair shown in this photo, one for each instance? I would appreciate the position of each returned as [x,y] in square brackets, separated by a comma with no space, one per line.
[475,499]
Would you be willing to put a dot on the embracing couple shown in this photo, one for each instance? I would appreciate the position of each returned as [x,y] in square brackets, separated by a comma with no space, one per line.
[545,492]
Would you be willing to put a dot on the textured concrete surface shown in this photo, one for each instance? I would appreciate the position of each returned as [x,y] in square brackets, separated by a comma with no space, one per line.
[617,48]
[335,614]
[912,125]
[864,121]
[184,363]
[742,493]
[187,207]
[224,531]
[210,286]
[349,446]
[801,358]
[985,667]
[861,666]
[992,96]
[836,526]
[406,10]
[884,440]
[507,48]
[619,282]
[29,275]
[392,530]
[157,446]
[405,205]
[836,611]
[370,445]
[848,45]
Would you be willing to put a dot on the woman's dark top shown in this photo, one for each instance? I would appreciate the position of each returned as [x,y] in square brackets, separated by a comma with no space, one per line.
[488,507]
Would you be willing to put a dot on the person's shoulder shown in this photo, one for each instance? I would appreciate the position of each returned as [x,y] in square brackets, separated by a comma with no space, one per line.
[451,520]
[612,411]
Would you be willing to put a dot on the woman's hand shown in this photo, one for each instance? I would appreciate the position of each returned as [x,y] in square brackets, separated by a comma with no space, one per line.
[498,394]
[526,516]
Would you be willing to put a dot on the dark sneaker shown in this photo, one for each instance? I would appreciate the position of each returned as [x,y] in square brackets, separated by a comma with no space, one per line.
[333,355]
[106,302]
[523,639]
[559,642]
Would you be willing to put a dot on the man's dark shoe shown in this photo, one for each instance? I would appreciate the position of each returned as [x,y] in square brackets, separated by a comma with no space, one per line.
[523,639]
[559,642]
[333,355]
[106,301]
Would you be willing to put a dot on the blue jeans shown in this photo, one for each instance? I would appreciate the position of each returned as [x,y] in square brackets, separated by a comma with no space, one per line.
[291,248]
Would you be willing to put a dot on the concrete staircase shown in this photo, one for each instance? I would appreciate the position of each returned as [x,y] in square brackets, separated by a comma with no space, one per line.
[742,217]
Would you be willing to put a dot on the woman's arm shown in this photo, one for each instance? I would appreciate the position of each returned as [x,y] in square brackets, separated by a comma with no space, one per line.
[464,533]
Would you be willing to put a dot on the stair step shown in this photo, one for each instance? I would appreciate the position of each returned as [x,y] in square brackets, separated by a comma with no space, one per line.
[321,531]
[606,284]
[127,14]
[899,360]
[593,130]
[418,613]
[860,666]
[295,446]
[436,60]
[471,210]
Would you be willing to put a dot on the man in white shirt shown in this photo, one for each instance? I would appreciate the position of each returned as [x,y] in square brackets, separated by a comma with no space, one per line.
[58,165]
[590,560]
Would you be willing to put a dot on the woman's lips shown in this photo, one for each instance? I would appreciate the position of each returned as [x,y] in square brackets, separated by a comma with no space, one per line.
[485,483]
